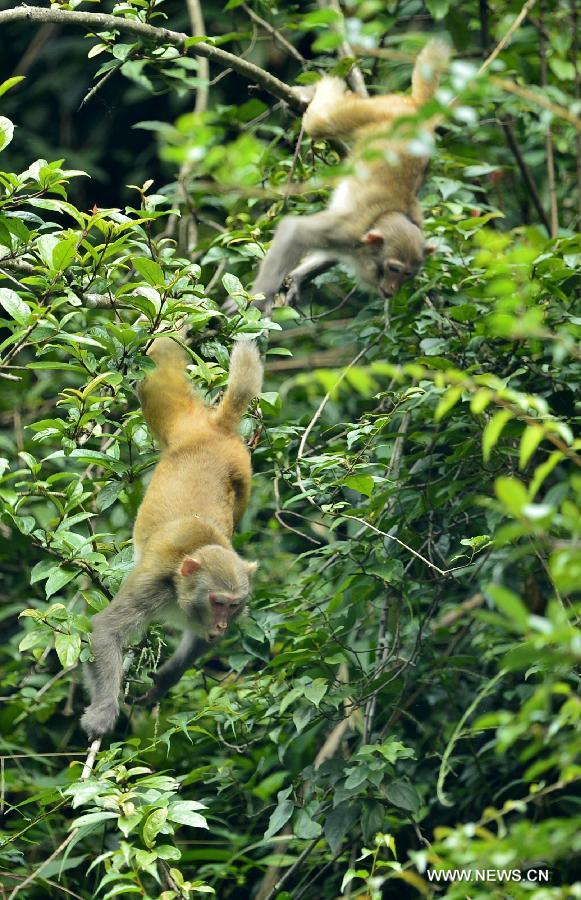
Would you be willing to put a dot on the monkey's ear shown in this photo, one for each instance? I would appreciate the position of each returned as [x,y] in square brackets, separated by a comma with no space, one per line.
[189,566]
[429,249]
[374,237]
[251,567]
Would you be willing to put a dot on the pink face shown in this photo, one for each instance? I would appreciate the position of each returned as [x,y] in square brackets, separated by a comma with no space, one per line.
[224,608]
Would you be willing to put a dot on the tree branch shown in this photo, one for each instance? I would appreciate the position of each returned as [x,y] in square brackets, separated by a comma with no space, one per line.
[525,172]
[199,30]
[96,22]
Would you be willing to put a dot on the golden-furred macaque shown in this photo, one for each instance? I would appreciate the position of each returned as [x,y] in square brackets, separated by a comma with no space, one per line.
[186,571]
[374,219]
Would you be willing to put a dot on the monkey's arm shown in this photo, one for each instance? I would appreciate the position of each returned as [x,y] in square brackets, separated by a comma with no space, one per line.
[294,237]
[189,649]
[313,265]
[140,598]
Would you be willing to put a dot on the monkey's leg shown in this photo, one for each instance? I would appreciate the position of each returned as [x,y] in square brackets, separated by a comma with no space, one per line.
[189,649]
[334,113]
[294,237]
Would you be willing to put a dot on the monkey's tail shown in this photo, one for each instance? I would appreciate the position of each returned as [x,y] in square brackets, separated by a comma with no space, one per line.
[430,64]
[244,383]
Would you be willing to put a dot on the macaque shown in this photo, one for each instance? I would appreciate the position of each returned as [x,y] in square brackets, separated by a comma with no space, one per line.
[374,220]
[186,571]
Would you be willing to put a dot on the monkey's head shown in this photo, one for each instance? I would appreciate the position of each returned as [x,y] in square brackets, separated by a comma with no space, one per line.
[391,252]
[212,588]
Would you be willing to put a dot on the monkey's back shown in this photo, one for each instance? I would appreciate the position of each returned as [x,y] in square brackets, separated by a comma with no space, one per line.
[202,476]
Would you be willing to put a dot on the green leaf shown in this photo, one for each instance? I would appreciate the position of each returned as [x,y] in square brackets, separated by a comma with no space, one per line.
[438,8]
[511,605]
[6,132]
[68,648]
[57,579]
[304,827]
[184,813]
[364,484]
[91,819]
[543,471]
[108,495]
[403,795]
[63,253]
[233,285]
[339,823]
[149,270]
[153,825]
[279,817]
[530,440]
[493,430]
[565,570]
[10,83]
[315,692]
[447,402]
[14,306]
[512,493]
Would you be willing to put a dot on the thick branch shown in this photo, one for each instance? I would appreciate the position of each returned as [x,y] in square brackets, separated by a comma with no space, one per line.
[96,22]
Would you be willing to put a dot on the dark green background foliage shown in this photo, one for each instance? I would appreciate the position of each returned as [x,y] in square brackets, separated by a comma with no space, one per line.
[401,696]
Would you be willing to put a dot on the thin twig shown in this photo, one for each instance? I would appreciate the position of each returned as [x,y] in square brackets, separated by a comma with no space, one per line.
[551,182]
[278,37]
[533,97]
[34,875]
[452,616]
[292,869]
[507,37]
[391,537]
[316,417]
[525,172]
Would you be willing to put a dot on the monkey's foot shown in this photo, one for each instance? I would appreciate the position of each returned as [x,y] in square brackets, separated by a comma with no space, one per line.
[293,294]
[99,718]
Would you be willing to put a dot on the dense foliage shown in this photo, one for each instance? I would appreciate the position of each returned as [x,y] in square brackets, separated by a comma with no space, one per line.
[402,696]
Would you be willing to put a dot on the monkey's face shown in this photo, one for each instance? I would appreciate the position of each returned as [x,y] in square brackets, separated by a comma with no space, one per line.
[212,590]
[390,254]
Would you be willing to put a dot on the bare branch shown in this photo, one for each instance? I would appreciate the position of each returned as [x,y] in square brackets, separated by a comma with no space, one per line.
[346,51]
[525,172]
[97,22]
[278,37]
[506,39]
[199,30]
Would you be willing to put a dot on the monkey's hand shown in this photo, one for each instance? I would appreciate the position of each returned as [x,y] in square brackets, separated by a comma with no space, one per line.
[150,698]
[99,718]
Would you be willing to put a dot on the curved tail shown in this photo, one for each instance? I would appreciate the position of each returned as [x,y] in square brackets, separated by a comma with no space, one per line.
[244,383]
[428,68]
